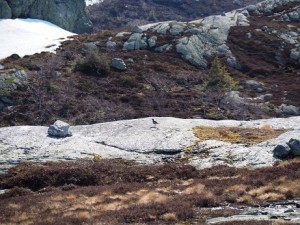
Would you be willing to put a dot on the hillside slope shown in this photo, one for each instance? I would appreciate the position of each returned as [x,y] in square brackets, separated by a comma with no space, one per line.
[112,14]
[172,69]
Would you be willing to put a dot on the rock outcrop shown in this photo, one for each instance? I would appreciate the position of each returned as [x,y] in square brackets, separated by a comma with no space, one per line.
[68,14]
[140,140]
[200,40]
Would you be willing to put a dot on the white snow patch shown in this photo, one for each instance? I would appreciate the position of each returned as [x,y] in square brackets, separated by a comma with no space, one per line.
[92,2]
[29,36]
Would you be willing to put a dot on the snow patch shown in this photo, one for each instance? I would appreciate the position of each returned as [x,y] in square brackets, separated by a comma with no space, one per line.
[92,2]
[30,36]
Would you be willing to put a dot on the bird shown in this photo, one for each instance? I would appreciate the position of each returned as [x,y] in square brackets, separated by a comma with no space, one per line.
[154,122]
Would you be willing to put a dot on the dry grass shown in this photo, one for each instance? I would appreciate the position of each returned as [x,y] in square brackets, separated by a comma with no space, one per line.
[121,192]
[236,135]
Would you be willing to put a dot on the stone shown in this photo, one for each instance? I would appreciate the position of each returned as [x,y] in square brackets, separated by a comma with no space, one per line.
[90,47]
[232,62]
[294,144]
[111,45]
[152,41]
[281,151]
[11,79]
[233,98]
[1,67]
[255,85]
[176,29]
[251,8]
[118,64]
[137,29]
[162,28]
[289,109]
[55,74]
[163,48]
[135,42]
[295,54]
[267,97]
[71,15]
[59,129]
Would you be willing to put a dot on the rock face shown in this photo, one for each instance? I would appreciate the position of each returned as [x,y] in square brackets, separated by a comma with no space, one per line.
[5,10]
[200,40]
[68,14]
[196,41]
[144,142]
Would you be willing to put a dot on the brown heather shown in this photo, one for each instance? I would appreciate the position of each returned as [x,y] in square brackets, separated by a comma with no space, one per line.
[118,192]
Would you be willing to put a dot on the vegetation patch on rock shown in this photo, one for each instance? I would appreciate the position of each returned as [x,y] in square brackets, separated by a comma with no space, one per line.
[236,135]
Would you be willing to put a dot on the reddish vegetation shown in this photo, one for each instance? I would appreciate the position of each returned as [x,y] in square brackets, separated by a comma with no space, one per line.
[118,192]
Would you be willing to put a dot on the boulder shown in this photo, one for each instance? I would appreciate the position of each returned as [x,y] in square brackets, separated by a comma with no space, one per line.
[152,41]
[68,14]
[111,45]
[135,42]
[118,64]
[11,79]
[59,129]
[289,109]
[294,144]
[295,54]
[281,151]
[255,85]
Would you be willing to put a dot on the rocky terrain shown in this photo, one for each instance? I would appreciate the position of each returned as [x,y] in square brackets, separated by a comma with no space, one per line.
[112,14]
[193,121]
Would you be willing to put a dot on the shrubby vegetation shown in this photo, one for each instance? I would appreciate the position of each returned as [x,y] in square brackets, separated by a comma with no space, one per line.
[93,63]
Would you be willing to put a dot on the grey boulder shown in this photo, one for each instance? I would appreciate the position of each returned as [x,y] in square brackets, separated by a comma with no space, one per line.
[118,64]
[289,109]
[294,144]
[281,151]
[59,129]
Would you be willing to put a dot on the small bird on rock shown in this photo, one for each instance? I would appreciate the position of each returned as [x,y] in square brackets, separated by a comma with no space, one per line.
[154,122]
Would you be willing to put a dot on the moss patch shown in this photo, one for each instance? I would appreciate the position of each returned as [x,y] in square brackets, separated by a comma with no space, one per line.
[236,135]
